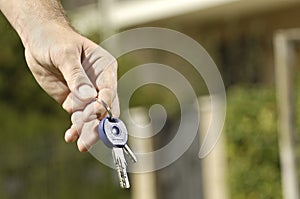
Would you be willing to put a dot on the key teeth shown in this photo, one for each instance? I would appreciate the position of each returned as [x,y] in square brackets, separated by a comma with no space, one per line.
[126,187]
[124,180]
[123,177]
[121,165]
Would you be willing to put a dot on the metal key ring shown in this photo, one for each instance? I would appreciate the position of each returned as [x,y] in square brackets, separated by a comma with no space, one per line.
[108,109]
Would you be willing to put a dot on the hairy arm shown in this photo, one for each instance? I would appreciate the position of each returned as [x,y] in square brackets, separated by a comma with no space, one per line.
[26,15]
[69,67]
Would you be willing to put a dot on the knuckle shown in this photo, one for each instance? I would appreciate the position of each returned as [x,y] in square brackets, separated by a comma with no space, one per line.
[67,108]
[111,61]
[114,64]
[75,73]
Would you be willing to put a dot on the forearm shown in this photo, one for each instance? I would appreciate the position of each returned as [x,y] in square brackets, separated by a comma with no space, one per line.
[27,15]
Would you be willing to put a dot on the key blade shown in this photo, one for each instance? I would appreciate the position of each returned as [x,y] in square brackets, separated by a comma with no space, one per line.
[121,165]
[130,153]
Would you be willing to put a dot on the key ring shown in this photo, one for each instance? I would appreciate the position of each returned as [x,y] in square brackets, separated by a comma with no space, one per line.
[108,109]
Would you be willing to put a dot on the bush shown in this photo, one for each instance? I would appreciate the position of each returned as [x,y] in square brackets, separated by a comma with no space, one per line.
[251,130]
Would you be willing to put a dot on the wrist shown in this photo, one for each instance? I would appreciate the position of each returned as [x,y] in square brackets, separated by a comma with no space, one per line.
[29,16]
[30,31]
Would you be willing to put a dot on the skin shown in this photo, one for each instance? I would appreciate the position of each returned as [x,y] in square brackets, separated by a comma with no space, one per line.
[69,67]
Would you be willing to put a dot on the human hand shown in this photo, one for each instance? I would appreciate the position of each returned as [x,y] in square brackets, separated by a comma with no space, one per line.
[74,71]
[69,67]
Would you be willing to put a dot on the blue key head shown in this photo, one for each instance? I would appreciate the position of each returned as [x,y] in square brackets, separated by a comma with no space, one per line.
[112,132]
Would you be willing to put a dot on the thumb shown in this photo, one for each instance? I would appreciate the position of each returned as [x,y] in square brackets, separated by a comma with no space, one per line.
[77,80]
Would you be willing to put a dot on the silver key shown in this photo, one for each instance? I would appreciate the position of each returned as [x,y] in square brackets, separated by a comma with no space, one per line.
[113,133]
[130,153]
[121,165]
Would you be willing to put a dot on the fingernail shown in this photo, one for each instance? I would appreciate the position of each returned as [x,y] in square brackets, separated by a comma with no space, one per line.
[86,92]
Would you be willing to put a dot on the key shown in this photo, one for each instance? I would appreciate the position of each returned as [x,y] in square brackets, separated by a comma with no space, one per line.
[130,153]
[121,165]
[113,134]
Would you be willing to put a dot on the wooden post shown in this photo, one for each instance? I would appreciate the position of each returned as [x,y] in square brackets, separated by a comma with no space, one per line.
[214,165]
[143,184]
[283,52]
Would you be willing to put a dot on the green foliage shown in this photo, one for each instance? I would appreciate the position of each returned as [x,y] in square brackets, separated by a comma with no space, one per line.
[251,129]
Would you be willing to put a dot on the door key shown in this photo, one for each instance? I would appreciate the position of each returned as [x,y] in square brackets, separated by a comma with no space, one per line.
[114,135]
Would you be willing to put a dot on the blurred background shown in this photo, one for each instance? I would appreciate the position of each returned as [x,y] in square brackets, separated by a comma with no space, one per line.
[35,162]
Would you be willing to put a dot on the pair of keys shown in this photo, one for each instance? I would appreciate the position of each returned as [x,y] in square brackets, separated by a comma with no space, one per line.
[114,135]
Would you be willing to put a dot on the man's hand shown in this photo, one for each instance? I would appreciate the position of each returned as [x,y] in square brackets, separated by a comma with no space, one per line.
[69,67]
[74,71]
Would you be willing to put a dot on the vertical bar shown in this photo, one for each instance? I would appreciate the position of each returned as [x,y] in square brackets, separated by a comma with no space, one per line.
[214,165]
[283,52]
[143,185]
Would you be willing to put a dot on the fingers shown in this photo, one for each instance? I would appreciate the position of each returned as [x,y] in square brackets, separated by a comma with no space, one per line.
[86,137]
[85,124]
[96,110]
[106,83]
[73,103]
[101,68]
[77,80]
[86,133]
[75,130]
[93,111]
[89,135]
[98,72]
[71,134]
